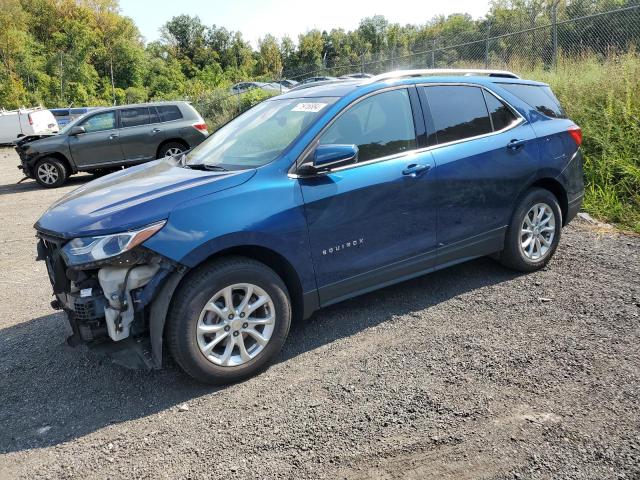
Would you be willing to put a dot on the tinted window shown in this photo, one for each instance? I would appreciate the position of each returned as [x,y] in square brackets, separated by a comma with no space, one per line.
[154,118]
[169,112]
[539,97]
[501,115]
[78,111]
[458,112]
[380,125]
[133,117]
[101,121]
[60,113]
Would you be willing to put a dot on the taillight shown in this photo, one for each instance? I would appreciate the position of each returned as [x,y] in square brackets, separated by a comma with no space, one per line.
[201,126]
[576,133]
[30,119]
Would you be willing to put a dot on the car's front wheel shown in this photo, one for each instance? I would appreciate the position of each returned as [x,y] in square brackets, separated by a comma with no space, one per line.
[534,232]
[228,320]
[50,172]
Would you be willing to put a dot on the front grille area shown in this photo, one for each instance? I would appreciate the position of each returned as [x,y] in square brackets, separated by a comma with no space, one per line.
[49,250]
[89,308]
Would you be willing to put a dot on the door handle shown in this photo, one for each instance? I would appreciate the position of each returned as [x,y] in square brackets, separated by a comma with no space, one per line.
[155,130]
[516,144]
[113,136]
[416,169]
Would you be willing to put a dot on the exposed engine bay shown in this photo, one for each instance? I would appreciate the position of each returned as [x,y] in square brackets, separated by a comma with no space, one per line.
[108,303]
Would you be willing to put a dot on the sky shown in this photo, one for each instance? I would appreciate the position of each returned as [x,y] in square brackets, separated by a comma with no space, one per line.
[255,18]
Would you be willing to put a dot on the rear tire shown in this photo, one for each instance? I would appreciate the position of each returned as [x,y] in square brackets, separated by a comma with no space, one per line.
[50,172]
[171,148]
[201,305]
[534,232]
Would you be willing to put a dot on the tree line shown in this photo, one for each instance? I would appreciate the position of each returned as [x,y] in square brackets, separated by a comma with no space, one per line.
[85,52]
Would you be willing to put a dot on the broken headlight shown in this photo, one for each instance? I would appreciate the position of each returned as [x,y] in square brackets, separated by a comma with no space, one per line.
[83,250]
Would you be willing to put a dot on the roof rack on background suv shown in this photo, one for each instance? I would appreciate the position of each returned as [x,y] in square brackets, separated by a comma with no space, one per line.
[440,71]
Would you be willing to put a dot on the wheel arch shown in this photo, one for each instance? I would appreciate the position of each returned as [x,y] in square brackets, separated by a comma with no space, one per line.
[169,140]
[274,260]
[58,156]
[558,190]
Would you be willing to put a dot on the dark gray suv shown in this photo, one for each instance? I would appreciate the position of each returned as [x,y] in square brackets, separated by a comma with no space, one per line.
[111,138]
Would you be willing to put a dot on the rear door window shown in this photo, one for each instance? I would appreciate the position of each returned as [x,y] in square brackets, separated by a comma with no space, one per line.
[380,125]
[134,117]
[539,97]
[458,112]
[501,115]
[169,112]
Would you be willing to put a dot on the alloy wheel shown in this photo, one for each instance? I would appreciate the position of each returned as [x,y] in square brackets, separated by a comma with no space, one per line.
[173,151]
[235,325]
[48,173]
[537,231]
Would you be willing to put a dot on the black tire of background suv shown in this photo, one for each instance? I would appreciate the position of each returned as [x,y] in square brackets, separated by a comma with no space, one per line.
[163,150]
[512,256]
[189,300]
[63,174]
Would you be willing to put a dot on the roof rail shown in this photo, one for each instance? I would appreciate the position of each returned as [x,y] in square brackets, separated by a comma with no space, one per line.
[440,71]
[304,86]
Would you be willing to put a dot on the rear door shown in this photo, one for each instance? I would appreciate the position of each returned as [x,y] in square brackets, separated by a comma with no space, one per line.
[484,153]
[375,221]
[100,144]
[139,138]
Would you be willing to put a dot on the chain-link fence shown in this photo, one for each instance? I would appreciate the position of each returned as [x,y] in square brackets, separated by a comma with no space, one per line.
[530,44]
[541,43]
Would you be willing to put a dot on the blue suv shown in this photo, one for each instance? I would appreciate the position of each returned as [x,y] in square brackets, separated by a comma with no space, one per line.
[308,199]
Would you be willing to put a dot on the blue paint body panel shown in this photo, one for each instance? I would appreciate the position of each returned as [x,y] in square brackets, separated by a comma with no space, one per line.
[349,230]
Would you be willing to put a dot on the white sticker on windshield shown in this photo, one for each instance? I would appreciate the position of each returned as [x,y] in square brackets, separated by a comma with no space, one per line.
[308,107]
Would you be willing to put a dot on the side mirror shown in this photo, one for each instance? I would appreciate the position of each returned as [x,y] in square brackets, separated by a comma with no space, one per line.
[77,130]
[326,157]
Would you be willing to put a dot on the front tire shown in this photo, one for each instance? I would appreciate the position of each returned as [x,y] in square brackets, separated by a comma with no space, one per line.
[534,232]
[228,320]
[50,172]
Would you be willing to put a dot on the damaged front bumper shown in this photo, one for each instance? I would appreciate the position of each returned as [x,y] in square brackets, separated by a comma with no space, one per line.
[117,307]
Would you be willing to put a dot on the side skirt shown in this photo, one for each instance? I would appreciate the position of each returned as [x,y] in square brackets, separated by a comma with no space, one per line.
[449,255]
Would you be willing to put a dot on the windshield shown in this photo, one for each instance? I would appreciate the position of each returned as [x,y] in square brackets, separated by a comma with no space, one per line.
[259,135]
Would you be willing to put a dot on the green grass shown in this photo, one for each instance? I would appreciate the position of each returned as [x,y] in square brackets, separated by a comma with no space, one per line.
[603,97]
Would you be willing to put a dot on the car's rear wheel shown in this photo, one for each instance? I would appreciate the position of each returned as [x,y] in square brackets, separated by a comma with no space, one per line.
[171,148]
[228,320]
[534,232]
[50,172]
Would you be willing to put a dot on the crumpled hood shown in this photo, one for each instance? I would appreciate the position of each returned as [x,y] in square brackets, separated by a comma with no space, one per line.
[132,198]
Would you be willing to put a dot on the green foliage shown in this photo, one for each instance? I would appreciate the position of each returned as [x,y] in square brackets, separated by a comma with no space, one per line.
[218,107]
[604,99]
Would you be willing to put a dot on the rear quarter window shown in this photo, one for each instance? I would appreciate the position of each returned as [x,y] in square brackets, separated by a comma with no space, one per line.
[539,97]
[168,113]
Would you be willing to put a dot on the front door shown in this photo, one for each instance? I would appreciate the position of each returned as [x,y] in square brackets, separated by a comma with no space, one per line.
[375,221]
[100,144]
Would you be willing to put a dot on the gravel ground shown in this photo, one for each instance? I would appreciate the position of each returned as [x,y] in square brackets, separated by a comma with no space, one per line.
[471,372]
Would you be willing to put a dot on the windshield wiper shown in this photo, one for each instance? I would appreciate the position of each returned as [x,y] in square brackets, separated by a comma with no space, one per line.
[209,168]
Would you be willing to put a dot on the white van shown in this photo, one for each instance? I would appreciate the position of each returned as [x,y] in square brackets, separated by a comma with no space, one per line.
[26,122]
